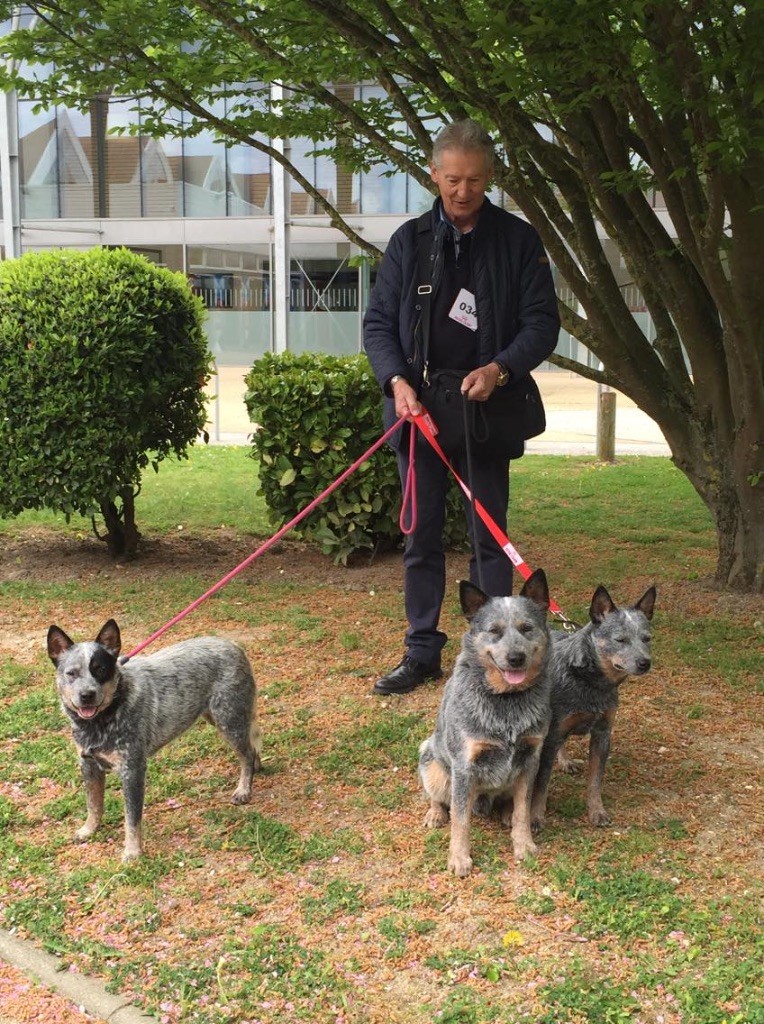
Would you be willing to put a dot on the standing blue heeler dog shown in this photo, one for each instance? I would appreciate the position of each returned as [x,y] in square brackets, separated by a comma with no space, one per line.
[492,719]
[588,668]
[122,714]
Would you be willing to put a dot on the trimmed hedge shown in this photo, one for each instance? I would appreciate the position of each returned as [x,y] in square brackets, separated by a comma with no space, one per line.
[104,362]
[315,416]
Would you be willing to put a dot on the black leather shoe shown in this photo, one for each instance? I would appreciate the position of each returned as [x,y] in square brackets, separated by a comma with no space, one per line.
[406,676]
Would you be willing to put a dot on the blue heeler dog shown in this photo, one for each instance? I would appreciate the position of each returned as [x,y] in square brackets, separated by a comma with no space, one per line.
[588,668]
[492,719]
[122,714]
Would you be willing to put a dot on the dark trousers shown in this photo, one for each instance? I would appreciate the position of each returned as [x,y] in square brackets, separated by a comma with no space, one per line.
[424,558]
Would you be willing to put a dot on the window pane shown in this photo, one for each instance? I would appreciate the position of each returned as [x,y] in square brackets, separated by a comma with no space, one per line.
[38,162]
[162,174]
[323,300]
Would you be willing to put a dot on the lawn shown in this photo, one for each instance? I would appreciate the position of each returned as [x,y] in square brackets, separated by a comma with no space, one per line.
[325,900]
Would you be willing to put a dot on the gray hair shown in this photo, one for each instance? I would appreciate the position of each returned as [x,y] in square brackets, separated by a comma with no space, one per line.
[466,135]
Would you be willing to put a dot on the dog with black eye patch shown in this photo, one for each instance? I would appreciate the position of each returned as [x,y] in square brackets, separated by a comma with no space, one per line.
[492,719]
[121,714]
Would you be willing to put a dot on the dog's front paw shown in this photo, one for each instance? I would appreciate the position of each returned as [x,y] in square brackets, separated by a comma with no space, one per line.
[84,833]
[131,853]
[460,864]
[436,817]
[241,796]
[537,824]
[524,847]
[599,817]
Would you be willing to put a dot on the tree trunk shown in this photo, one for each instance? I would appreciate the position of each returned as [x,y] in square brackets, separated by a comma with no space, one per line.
[736,502]
[122,535]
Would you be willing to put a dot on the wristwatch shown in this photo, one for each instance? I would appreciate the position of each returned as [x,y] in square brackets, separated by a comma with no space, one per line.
[503,377]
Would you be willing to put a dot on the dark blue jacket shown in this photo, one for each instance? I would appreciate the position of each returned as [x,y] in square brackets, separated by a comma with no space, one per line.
[518,322]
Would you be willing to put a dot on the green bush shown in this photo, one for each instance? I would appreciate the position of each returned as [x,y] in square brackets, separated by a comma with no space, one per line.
[104,363]
[315,416]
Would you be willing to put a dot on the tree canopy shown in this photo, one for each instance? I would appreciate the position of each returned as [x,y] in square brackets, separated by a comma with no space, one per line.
[633,123]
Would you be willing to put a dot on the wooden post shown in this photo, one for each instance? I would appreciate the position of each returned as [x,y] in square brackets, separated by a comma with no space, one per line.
[605,424]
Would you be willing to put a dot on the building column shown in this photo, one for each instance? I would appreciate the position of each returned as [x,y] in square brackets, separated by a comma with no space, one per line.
[280,268]
[9,174]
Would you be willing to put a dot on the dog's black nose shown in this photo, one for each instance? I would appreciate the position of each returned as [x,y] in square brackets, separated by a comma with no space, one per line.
[643,664]
[87,698]
[516,660]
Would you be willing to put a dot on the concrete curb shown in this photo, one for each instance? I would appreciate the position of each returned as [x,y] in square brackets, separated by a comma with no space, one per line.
[85,992]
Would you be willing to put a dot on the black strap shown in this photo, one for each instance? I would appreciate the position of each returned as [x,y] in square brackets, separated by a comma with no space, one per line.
[424,288]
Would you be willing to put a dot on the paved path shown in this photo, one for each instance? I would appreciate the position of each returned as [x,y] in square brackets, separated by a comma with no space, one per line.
[73,991]
[571,411]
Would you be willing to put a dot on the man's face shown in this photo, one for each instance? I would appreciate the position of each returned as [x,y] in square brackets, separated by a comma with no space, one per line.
[462,179]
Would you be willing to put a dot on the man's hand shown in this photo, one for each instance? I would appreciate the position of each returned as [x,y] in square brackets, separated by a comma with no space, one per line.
[406,401]
[480,384]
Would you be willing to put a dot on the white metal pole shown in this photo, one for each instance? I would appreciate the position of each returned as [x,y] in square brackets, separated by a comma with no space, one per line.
[281,242]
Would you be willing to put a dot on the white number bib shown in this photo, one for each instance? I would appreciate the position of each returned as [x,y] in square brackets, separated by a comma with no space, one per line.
[464,310]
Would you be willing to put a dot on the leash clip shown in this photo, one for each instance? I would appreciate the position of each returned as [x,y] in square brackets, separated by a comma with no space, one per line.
[567,624]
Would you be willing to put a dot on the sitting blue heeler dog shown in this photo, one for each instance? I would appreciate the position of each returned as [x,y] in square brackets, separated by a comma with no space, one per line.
[122,714]
[588,667]
[492,719]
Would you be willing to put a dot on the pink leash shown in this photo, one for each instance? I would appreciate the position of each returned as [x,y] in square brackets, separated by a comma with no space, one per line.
[268,544]
[424,423]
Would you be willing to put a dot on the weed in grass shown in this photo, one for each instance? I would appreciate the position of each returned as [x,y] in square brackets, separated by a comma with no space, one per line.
[63,807]
[674,828]
[43,919]
[580,993]
[625,901]
[274,964]
[464,1006]
[342,841]
[537,902]
[349,641]
[397,929]
[718,648]
[337,897]
[388,797]
[392,739]
[27,713]
[273,845]
[13,677]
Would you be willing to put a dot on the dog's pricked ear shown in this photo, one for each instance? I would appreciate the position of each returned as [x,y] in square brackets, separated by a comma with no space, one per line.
[472,599]
[110,638]
[646,603]
[602,605]
[536,589]
[58,642]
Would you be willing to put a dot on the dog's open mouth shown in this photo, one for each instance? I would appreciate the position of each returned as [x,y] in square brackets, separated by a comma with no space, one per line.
[87,712]
[512,677]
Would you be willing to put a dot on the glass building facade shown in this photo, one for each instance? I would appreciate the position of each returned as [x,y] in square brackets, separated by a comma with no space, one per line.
[193,204]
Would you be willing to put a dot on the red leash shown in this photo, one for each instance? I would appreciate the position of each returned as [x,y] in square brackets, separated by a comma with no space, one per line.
[428,428]
[426,424]
[268,544]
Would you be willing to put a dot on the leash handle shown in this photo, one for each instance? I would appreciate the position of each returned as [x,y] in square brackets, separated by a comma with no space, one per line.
[473,511]
[409,491]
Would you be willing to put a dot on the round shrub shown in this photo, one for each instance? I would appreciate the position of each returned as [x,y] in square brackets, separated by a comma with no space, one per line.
[315,415]
[104,362]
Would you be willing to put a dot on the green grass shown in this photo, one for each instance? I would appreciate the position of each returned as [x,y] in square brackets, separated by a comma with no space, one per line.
[215,487]
[326,900]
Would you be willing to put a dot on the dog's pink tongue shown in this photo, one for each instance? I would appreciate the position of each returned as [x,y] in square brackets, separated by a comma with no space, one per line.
[513,678]
[86,712]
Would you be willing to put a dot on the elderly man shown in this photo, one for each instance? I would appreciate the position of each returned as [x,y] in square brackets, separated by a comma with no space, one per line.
[467,287]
